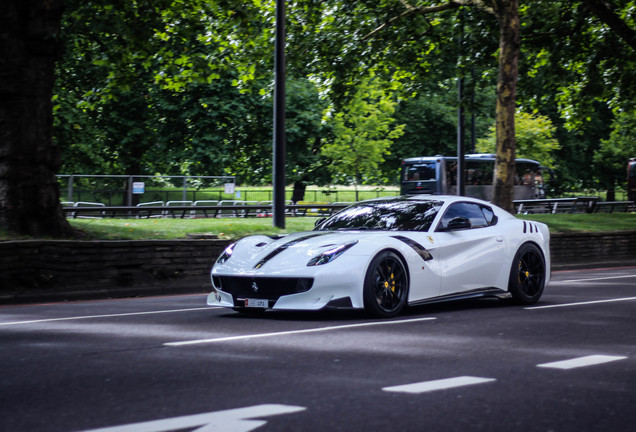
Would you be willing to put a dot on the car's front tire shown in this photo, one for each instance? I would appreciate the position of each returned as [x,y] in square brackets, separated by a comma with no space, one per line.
[385,285]
[527,275]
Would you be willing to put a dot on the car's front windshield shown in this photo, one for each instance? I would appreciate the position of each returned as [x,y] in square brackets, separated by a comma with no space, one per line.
[389,215]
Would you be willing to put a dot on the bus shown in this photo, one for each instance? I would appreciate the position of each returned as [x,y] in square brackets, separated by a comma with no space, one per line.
[438,175]
[631,179]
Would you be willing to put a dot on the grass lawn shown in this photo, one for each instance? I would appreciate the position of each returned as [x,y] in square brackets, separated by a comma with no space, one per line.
[586,222]
[234,228]
[226,228]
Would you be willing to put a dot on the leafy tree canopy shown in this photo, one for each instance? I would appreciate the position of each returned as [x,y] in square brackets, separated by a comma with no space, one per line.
[363,132]
[174,86]
[535,139]
[610,160]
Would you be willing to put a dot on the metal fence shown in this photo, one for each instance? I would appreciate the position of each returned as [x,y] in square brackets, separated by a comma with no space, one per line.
[572,205]
[197,209]
[126,190]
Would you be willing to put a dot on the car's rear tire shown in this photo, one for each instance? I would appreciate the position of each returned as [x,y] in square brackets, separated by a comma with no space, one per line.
[527,275]
[385,285]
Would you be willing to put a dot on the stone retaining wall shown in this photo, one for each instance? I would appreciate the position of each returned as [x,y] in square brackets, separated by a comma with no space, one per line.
[83,266]
[573,248]
[166,266]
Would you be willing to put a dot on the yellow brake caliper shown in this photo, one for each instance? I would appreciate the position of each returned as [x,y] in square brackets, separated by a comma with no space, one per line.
[390,282]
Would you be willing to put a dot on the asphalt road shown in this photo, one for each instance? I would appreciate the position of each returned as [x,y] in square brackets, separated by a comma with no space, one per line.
[173,364]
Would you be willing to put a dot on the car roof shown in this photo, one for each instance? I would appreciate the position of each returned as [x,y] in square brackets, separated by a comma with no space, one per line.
[430,197]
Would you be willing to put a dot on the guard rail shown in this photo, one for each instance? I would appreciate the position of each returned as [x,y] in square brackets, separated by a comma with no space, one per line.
[189,211]
[571,205]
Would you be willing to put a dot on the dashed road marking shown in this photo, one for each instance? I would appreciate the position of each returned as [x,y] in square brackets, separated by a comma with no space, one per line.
[45,320]
[582,362]
[595,279]
[292,332]
[441,384]
[581,303]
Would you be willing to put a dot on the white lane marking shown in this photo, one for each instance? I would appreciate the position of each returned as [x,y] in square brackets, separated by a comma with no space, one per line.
[103,316]
[440,384]
[581,303]
[233,420]
[292,332]
[582,362]
[596,278]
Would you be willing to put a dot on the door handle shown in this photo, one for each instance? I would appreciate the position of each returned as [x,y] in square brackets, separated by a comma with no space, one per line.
[499,239]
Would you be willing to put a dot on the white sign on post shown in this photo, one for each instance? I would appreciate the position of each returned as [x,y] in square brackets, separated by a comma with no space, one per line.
[229,188]
[138,188]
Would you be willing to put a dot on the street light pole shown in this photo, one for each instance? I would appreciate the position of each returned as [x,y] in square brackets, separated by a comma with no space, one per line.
[279,119]
[461,147]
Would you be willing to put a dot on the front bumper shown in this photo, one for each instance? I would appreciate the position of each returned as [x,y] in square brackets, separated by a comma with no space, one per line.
[329,284]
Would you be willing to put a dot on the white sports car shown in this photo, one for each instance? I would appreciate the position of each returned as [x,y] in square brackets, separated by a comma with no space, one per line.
[382,255]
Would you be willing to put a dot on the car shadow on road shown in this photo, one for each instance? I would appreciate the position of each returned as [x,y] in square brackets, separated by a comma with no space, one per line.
[329,315]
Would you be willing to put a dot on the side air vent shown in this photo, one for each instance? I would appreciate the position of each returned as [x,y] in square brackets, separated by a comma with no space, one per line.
[530,227]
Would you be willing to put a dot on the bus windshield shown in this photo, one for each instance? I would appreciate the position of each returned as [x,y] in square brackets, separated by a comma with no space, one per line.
[419,171]
[438,175]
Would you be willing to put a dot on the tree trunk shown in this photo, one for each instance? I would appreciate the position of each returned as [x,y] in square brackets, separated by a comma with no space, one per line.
[507,12]
[29,160]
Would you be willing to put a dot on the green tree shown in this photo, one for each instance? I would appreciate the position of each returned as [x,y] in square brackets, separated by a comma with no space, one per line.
[363,132]
[576,69]
[506,14]
[198,80]
[430,124]
[535,139]
[610,160]
[29,158]
[163,86]
[304,133]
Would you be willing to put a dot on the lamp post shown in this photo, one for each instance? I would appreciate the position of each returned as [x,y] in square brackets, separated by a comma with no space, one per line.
[279,119]
[461,146]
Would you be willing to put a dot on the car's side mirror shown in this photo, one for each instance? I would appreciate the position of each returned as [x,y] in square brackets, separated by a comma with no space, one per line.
[319,221]
[458,223]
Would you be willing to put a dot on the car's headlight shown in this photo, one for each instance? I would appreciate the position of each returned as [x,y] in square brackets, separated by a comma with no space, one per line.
[227,253]
[331,254]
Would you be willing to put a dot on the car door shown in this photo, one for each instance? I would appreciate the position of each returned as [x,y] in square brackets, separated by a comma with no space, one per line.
[470,248]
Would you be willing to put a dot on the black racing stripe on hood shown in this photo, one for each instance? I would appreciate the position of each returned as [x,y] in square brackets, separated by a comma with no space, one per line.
[281,248]
[421,250]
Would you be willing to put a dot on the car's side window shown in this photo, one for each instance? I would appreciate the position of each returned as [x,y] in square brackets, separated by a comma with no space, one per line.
[478,216]
[489,214]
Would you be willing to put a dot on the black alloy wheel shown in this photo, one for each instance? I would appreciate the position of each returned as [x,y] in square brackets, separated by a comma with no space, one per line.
[385,285]
[527,276]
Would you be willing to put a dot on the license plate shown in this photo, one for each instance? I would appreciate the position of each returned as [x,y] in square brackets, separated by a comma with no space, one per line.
[256,303]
